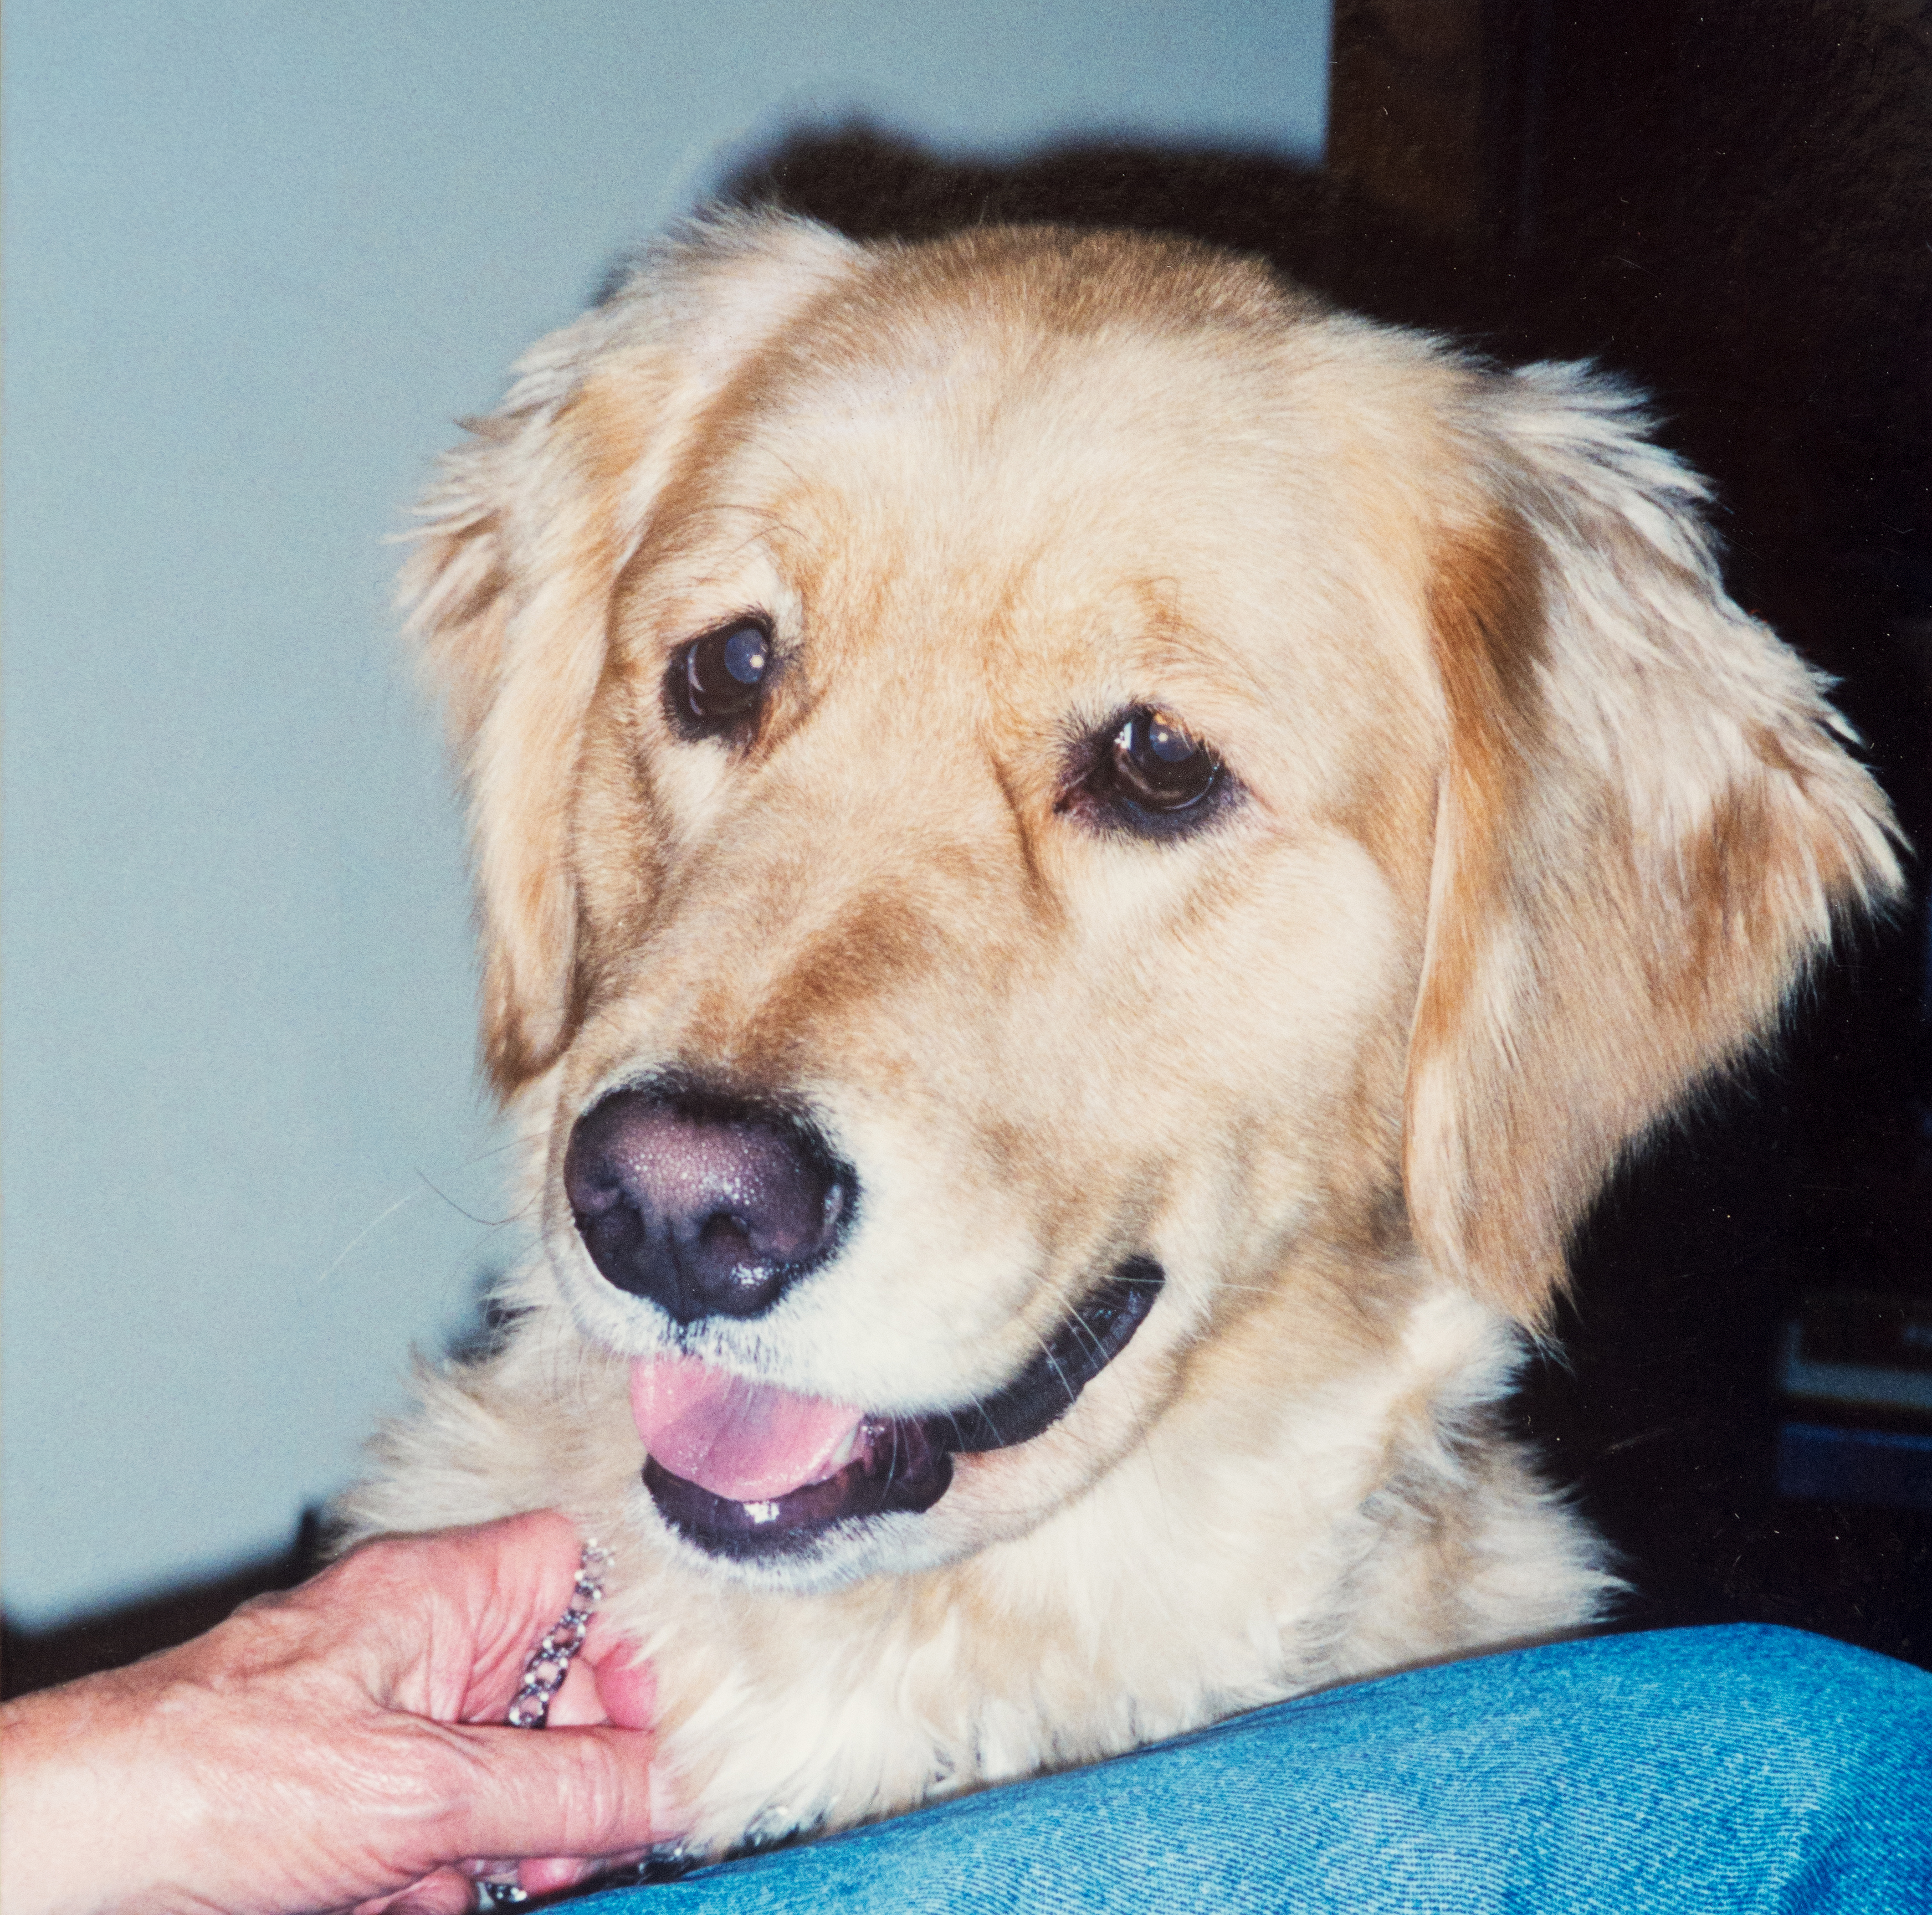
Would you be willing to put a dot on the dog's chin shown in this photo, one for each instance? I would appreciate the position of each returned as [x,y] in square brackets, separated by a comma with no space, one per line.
[883,1509]
[893,1544]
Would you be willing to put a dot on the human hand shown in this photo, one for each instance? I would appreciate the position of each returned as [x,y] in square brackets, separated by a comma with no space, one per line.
[325,1748]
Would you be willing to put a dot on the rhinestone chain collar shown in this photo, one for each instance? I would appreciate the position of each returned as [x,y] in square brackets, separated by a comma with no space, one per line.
[544,1669]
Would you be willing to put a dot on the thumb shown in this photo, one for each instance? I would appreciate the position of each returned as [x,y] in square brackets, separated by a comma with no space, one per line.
[563,1791]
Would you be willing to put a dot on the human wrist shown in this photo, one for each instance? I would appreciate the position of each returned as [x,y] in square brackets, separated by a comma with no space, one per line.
[85,1821]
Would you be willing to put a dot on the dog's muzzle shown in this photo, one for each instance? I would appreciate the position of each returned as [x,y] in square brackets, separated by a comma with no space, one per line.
[712,1206]
[739,1440]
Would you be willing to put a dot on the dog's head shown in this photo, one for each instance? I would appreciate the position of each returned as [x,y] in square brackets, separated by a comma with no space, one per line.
[1042,801]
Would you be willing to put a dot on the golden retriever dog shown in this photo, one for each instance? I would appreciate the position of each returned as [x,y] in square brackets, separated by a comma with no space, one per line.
[1084,863]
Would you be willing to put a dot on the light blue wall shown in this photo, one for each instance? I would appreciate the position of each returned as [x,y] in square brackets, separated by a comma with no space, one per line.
[259,256]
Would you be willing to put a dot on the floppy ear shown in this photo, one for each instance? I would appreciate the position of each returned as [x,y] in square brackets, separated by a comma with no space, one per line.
[509,588]
[1645,825]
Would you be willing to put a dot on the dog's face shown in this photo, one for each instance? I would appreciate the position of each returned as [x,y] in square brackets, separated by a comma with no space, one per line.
[973,905]
[1043,803]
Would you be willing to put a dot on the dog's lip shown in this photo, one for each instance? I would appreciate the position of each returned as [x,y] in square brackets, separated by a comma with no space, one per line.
[905,1464]
[897,1469]
[1089,1339]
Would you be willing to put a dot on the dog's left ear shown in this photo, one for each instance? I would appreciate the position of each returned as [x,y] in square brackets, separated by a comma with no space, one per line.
[1645,825]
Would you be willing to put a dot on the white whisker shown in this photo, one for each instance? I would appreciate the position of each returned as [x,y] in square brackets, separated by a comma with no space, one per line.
[374,1224]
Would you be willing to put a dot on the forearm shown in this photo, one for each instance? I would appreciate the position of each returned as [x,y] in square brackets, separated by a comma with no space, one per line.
[88,1820]
[214,1777]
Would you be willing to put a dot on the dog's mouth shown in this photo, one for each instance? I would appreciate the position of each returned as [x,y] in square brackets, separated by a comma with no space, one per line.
[744,1470]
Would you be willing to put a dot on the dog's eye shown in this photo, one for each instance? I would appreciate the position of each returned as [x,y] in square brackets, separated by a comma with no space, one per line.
[715,681]
[1150,773]
[1161,763]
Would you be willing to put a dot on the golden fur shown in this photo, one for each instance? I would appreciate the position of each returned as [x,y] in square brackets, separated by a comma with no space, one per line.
[1536,830]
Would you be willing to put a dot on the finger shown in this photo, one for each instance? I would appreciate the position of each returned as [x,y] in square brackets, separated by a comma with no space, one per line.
[627,1686]
[566,1791]
[443,1621]
[486,1868]
[616,1864]
[577,1704]
[445,1893]
[550,1873]
[521,1574]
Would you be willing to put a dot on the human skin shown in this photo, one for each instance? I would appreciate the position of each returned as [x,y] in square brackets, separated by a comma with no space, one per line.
[338,1746]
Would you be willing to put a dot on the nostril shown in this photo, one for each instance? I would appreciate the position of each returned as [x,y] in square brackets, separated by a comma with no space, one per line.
[724,1235]
[708,1205]
[592,1195]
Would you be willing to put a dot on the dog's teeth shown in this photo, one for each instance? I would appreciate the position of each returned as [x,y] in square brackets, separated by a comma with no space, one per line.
[843,1454]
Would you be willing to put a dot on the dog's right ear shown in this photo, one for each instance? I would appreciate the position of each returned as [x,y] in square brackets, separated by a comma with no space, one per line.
[508,590]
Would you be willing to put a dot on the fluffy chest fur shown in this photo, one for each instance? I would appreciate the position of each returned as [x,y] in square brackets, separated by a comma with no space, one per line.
[1373,1520]
[1084,865]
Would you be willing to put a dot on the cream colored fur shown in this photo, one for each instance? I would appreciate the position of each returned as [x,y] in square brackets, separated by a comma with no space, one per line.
[1535,830]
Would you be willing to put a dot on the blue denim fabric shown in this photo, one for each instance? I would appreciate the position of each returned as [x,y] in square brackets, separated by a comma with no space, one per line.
[1708,1769]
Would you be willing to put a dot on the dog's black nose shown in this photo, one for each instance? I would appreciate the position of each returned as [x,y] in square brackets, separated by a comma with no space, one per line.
[707,1205]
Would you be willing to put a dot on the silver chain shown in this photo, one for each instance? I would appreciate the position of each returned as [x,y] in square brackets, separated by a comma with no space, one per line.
[546,1666]
[544,1669]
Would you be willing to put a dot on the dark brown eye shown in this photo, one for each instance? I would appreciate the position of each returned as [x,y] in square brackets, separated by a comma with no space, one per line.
[1146,773]
[715,683]
[1161,763]
[1150,774]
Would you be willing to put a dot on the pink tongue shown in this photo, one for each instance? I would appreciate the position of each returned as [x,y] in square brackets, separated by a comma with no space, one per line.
[743,1440]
